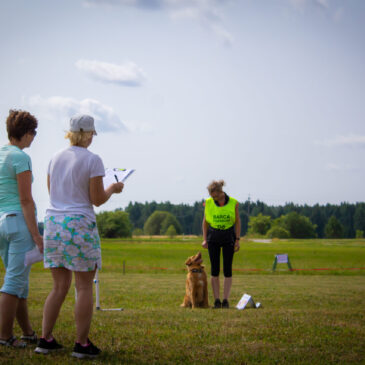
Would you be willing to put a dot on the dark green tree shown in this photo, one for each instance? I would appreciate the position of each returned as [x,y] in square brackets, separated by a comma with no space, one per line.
[333,229]
[299,226]
[244,211]
[158,222]
[114,224]
[260,224]
[197,223]
[277,232]
[351,216]
[171,231]
[169,221]
[135,212]
[318,218]
[137,232]
[346,218]
[359,217]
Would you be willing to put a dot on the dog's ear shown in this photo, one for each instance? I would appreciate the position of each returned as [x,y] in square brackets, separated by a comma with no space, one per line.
[197,257]
[188,261]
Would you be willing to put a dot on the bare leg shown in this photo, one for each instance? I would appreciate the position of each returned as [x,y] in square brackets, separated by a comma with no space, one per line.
[62,279]
[215,286]
[227,287]
[84,304]
[8,307]
[23,317]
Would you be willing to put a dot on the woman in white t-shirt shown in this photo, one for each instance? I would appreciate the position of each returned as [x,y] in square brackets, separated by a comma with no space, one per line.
[71,239]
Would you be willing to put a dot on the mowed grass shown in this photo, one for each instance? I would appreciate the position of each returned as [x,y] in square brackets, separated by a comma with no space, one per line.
[308,317]
[168,255]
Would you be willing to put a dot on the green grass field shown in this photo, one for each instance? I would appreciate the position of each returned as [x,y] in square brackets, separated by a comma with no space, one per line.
[308,316]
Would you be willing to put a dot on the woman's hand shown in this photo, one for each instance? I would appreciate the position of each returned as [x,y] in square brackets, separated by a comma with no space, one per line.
[205,244]
[237,246]
[38,240]
[98,195]
[118,187]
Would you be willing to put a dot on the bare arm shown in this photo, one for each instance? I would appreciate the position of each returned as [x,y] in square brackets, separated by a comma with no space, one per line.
[24,180]
[237,227]
[205,231]
[98,195]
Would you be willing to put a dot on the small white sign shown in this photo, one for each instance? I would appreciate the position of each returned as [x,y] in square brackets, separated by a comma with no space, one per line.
[246,302]
[282,259]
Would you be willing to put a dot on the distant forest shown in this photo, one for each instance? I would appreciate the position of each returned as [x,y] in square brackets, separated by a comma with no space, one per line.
[351,216]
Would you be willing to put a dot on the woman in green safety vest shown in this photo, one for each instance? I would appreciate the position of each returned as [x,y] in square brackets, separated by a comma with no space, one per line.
[221,230]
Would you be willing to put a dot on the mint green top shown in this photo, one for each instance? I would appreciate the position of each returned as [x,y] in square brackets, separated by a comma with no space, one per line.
[220,217]
[13,161]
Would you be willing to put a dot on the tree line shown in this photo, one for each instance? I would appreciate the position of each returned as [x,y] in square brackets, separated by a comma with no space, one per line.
[344,220]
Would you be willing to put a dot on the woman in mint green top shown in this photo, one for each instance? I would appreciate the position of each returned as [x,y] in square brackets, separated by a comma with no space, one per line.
[221,232]
[18,226]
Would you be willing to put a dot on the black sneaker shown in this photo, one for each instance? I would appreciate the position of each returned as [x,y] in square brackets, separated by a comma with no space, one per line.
[217,303]
[225,303]
[45,347]
[85,351]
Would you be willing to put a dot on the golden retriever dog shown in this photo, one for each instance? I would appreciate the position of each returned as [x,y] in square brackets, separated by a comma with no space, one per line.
[196,287]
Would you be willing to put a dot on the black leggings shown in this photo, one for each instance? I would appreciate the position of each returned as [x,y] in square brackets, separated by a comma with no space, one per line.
[216,241]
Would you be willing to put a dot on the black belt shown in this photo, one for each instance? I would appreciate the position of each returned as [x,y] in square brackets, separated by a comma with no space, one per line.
[220,230]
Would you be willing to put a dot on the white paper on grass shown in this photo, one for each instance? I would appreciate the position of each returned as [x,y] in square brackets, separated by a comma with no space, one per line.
[247,301]
[113,175]
[33,256]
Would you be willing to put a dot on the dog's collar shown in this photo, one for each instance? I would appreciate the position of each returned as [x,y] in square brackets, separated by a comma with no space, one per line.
[196,270]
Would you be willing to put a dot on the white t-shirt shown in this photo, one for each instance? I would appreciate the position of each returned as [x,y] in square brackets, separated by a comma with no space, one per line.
[70,171]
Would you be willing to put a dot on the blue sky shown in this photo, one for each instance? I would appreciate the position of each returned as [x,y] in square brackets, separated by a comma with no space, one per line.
[267,95]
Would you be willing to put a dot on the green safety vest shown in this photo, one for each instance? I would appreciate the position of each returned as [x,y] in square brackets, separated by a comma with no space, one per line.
[220,217]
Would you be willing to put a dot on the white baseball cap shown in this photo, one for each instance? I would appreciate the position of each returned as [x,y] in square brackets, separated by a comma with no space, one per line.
[82,123]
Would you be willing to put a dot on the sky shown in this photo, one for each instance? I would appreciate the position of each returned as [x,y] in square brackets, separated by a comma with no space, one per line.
[268,95]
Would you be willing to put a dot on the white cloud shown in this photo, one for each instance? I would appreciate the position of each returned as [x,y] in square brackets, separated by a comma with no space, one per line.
[58,108]
[323,3]
[338,15]
[351,140]
[135,3]
[302,4]
[222,33]
[330,9]
[207,12]
[127,74]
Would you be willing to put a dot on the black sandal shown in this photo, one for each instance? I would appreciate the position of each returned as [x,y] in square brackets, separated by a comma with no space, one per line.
[33,338]
[13,342]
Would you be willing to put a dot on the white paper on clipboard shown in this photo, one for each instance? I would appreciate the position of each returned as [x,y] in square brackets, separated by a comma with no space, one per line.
[113,175]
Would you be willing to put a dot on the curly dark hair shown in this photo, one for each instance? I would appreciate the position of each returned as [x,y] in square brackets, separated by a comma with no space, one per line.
[19,123]
[216,186]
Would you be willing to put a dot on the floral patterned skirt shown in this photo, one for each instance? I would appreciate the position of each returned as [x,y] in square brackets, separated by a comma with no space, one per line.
[72,242]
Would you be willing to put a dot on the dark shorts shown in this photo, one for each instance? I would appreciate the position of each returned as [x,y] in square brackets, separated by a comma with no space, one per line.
[221,240]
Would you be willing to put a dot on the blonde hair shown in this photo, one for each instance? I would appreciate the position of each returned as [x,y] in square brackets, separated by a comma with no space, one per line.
[216,186]
[78,138]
